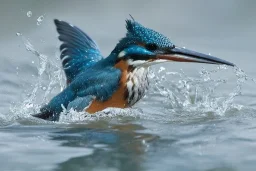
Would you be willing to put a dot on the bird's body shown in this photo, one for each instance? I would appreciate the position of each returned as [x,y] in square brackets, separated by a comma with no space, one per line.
[132,85]
[120,80]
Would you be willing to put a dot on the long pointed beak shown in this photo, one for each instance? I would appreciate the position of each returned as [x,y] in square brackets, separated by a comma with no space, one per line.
[184,55]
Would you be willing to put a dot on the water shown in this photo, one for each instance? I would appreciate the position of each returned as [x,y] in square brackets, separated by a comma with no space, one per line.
[194,117]
[29,13]
[40,20]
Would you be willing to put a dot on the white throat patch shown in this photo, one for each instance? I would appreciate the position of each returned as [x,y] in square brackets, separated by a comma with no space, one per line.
[137,84]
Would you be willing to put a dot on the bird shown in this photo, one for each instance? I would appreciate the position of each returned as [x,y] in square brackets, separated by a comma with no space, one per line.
[94,82]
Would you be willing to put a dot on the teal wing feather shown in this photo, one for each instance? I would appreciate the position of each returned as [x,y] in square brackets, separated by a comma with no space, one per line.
[78,50]
[80,103]
[93,83]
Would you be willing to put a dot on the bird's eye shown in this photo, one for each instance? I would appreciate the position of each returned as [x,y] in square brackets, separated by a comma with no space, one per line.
[151,46]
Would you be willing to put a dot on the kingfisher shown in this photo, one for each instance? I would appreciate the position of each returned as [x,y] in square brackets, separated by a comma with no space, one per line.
[95,83]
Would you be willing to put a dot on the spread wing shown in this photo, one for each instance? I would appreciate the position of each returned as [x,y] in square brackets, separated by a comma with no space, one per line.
[78,50]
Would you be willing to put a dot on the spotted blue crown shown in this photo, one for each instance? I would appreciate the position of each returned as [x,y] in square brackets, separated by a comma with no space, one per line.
[137,33]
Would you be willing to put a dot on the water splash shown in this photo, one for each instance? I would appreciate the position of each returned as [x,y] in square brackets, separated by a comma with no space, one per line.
[47,68]
[184,95]
[188,96]
[40,20]
[107,114]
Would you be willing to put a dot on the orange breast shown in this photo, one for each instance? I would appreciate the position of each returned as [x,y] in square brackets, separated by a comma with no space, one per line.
[118,99]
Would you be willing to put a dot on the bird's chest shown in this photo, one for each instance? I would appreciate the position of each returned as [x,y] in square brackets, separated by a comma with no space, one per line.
[132,86]
[137,84]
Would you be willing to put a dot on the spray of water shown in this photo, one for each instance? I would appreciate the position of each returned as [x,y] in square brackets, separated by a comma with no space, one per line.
[184,98]
[47,68]
[182,95]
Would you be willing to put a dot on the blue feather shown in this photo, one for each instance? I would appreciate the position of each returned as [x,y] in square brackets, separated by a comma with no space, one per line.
[80,103]
[86,86]
[52,110]
[78,50]
[88,74]
[101,84]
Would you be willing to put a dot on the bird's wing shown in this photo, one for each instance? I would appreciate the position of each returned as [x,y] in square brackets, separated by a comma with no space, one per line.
[52,110]
[78,50]
[91,84]
[80,103]
[101,83]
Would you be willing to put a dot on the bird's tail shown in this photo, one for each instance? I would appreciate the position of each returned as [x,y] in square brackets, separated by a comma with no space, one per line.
[52,110]
[46,114]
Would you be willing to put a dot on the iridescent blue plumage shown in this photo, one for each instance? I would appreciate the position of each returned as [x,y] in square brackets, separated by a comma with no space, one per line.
[138,34]
[78,50]
[120,80]
[93,83]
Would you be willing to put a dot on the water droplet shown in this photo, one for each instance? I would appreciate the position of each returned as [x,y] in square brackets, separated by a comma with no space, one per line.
[161,69]
[254,80]
[29,105]
[32,62]
[29,14]
[18,34]
[184,47]
[222,67]
[44,88]
[39,20]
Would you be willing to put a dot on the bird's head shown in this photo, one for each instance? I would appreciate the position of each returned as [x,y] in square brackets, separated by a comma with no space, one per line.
[143,47]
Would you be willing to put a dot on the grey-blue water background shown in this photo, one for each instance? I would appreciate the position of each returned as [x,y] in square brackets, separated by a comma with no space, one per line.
[199,118]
